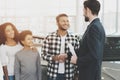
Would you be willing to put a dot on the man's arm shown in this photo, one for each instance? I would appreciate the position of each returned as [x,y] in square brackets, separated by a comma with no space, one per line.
[93,38]
[92,44]
[45,50]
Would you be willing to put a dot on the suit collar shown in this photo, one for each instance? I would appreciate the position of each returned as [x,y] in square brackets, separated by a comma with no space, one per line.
[95,19]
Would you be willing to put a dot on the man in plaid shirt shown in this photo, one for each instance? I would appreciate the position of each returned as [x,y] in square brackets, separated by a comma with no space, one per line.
[55,50]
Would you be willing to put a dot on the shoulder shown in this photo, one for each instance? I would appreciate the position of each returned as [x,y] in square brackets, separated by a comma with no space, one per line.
[19,46]
[3,50]
[96,24]
[3,47]
[73,35]
[96,28]
[19,53]
[50,35]
[36,52]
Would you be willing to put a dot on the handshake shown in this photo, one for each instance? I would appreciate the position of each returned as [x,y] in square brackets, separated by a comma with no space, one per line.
[60,58]
[63,56]
[74,56]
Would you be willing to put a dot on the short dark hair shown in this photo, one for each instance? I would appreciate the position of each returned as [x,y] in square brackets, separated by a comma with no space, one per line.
[2,32]
[61,15]
[23,34]
[93,5]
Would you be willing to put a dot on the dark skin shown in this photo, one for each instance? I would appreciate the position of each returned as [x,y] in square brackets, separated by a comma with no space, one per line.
[5,72]
[9,42]
[63,25]
[8,34]
[58,58]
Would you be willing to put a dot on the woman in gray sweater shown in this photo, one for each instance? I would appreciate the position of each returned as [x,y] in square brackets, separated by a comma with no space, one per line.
[27,61]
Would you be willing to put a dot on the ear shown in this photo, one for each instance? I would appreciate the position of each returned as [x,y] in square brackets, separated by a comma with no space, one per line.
[88,10]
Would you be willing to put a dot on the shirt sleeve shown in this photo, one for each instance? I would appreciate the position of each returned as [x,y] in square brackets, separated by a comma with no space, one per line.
[17,68]
[39,67]
[77,43]
[3,56]
[45,50]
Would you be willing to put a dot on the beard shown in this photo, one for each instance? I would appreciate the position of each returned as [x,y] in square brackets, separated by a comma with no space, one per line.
[86,19]
[64,29]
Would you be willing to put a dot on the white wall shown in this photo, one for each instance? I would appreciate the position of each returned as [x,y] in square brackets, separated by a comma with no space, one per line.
[39,15]
[36,15]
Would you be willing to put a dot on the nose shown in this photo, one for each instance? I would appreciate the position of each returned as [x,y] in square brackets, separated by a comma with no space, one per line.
[66,22]
[30,40]
[12,31]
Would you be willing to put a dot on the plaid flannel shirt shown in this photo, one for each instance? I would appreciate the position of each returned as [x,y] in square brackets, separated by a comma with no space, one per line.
[51,47]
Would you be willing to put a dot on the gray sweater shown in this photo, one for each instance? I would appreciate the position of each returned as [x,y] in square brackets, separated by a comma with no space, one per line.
[27,65]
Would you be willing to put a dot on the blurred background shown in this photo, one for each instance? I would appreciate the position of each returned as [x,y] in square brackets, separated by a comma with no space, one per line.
[39,17]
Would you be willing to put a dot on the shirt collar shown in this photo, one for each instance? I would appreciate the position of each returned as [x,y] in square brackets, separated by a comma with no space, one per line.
[56,33]
[93,19]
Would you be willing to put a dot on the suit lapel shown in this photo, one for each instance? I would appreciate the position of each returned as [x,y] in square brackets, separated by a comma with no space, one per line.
[88,27]
[85,33]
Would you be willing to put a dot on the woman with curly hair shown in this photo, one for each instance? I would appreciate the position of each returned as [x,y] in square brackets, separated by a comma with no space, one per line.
[9,46]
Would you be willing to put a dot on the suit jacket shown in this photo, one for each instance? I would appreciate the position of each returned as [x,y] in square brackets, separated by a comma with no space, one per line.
[90,52]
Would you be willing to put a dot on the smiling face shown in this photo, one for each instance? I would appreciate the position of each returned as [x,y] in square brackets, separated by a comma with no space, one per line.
[63,23]
[28,41]
[9,32]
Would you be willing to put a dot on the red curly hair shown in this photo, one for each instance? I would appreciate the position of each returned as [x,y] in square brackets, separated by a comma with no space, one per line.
[2,32]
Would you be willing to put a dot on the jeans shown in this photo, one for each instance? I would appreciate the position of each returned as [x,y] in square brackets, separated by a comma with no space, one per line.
[10,78]
[59,77]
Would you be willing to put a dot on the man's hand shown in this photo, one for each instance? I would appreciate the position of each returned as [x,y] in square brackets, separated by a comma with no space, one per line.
[62,57]
[55,58]
[73,59]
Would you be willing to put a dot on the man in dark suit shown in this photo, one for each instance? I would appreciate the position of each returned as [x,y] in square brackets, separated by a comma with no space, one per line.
[90,54]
